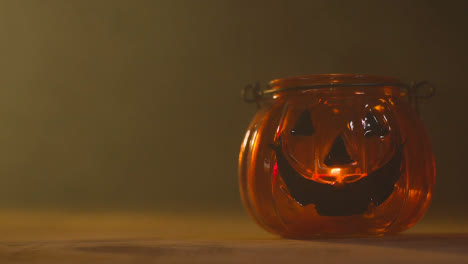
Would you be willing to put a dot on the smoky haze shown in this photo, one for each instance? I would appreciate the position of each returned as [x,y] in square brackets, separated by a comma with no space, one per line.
[135,105]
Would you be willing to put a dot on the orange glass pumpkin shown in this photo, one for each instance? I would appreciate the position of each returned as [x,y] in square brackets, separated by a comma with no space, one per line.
[336,155]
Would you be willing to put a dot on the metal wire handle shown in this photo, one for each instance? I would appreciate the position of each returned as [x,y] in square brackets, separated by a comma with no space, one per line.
[416,93]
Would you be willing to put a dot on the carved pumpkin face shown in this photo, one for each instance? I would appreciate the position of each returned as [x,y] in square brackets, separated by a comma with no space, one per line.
[345,162]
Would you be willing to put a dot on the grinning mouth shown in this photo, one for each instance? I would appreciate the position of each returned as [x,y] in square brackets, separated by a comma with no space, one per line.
[349,198]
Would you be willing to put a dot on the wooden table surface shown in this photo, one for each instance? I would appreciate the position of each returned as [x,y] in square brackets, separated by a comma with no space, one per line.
[53,237]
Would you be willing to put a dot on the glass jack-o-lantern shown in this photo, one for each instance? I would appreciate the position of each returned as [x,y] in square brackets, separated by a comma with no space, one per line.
[336,155]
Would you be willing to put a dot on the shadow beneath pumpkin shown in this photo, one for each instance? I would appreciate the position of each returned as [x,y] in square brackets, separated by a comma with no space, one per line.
[451,243]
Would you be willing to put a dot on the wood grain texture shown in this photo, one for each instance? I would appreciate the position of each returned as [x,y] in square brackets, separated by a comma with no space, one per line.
[163,238]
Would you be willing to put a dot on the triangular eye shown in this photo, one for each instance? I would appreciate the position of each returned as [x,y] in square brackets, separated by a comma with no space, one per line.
[303,126]
[372,127]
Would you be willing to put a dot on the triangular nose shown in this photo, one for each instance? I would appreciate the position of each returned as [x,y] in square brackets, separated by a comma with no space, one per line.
[338,155]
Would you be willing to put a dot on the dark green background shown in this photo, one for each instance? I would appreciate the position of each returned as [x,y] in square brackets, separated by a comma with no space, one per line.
[135,105]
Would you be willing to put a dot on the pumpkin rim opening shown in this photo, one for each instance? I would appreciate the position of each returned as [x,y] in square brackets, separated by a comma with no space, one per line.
[326,81]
